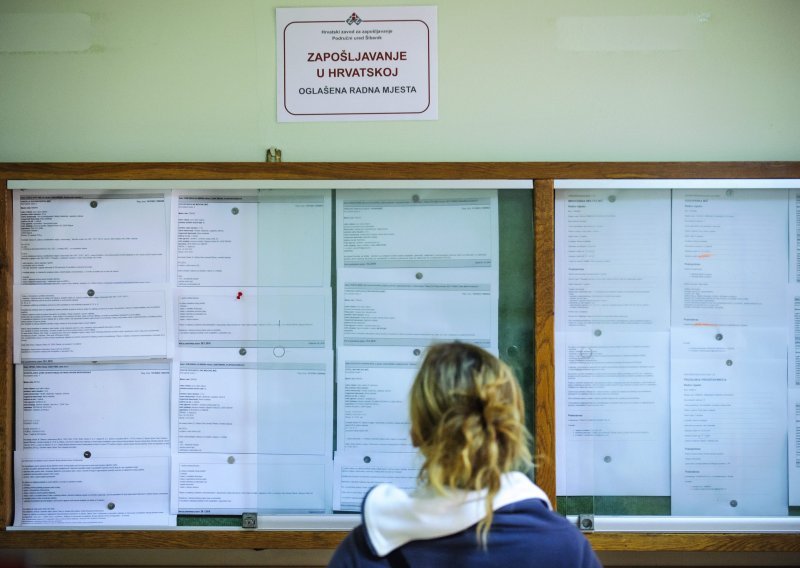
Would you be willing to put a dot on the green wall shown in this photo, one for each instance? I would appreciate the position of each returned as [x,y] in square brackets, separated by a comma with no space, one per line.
[576,80]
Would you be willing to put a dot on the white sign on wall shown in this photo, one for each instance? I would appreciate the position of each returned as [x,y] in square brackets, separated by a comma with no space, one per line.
[357,64]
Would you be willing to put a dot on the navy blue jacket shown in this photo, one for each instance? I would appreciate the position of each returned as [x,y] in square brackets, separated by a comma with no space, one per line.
[523,534]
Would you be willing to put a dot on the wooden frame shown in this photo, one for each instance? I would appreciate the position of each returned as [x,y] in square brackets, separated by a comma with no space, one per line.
[543,174]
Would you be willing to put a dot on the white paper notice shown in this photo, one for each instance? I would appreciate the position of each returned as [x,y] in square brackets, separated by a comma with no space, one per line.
[794,447]
[76,489]
[372,406]
[613,420]
[215,239]
[294,236]
[612,259]
[794,236]
[356,473]
[89,406]
[364,63]
[91,238]
[419,228]
[729,426]
[281,407]
[277,318]
[225,484]
[414,313]
[416,266]
[252,238]
[729,261]
[793,405]
[107,322]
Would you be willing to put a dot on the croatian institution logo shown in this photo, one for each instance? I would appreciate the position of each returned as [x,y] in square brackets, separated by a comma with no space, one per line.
[353,19]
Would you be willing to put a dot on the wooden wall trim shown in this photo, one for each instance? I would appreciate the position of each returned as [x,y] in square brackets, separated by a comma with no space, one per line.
[6,359]
[690,542]
[543,330]
[326,540]
[400,170]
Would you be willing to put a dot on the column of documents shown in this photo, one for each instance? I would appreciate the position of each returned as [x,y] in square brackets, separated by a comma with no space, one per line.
[793,340]
[92,338]
[728,372]
[612,341]
[728,422]
[414,266]
[252,389]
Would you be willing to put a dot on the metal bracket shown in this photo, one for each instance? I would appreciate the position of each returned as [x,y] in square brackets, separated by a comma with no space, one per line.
[249,520]
[586,522]
[273,154]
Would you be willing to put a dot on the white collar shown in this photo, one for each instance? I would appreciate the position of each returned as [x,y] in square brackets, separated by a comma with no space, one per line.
[392,517]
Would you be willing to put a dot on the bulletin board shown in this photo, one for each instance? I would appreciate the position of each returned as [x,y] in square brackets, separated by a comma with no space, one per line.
[537,377]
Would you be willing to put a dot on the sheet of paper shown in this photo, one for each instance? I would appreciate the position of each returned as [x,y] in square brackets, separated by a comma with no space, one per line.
[794,236]
[402,310]
[612,253]
[729,257]
[275,318]
[294,236]
[416,228]
[252,238]
[372,404]
[88,406]
[355,473]
[230,484]
[793,384]
[729,428]
[102,322]
[214,239]
[794,446]
[612,413]
[415,266]
[93,237]
[250,406]
[69,488]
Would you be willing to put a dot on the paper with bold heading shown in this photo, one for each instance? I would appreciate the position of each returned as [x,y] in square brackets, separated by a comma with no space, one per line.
[248,404]
[86,406]
[246,238]
[241,425]
[90,237]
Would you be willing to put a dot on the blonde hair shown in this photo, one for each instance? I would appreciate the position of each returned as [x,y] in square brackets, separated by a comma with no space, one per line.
[467,419]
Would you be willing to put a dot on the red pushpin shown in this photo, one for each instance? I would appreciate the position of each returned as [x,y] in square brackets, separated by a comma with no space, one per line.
[238,295]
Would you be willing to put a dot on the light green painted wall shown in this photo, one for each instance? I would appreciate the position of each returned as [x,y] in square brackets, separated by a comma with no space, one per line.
[583,80]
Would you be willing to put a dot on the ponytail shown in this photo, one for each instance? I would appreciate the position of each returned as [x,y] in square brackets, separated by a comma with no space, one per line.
[467,419]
